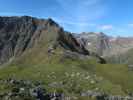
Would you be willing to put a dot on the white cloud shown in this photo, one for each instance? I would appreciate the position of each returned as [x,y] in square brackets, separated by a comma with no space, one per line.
[90,2]
[76,23]
[106,27]
[82,14]
[131,24]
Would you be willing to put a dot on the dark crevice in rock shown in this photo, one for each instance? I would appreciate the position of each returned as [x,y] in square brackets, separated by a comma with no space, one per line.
[68,41]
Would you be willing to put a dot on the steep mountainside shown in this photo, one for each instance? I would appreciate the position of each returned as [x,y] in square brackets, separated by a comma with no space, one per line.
[17,34]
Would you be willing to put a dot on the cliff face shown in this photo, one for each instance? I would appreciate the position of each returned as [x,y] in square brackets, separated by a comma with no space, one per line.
[94,42]
[17,34]
[68,41]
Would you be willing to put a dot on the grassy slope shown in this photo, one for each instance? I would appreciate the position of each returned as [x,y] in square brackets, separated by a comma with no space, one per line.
[126,58]
[38,66]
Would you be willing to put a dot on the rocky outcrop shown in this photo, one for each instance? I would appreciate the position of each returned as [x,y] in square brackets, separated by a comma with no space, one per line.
[28,90]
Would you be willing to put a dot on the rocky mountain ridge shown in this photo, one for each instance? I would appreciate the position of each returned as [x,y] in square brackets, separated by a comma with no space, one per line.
[17,34]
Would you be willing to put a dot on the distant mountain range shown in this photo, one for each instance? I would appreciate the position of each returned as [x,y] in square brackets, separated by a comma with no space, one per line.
[105,45]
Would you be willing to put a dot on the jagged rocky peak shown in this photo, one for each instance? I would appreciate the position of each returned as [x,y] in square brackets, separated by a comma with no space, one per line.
[17,34]
[51,22]
[94,42]
[102,43]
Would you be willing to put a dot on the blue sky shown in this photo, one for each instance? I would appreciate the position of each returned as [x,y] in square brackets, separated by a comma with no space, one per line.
[114,17]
